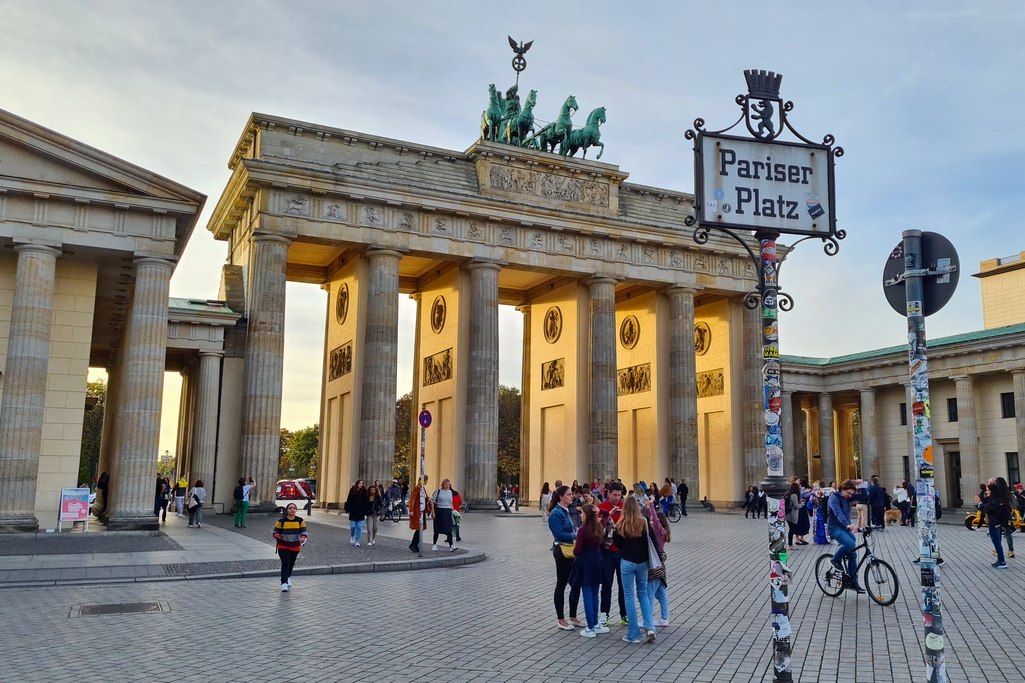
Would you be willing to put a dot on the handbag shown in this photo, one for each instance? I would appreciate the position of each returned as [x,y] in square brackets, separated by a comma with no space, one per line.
[194,503]
[654,561]
[567,550]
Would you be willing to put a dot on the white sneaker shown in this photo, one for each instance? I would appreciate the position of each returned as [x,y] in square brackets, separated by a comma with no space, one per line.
[601,629]
[453,548]
[289,582]
[661,622]
[284,588]
[357,544]
[603,619]
[434,547]
[587,633]
[352,541]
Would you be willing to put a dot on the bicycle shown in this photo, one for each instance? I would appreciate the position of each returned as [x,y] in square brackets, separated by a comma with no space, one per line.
[675,512]
[394,511]
[880,580]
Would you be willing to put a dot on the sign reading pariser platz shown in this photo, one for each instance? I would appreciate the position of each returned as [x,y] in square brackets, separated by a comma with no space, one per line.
[765,185]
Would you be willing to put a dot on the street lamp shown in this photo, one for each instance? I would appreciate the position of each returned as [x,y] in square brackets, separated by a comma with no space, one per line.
[769,187]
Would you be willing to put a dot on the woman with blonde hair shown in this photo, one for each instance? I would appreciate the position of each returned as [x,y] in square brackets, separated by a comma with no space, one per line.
[631,536]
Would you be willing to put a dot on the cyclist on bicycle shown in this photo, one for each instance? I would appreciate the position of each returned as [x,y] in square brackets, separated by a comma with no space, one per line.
[841,530]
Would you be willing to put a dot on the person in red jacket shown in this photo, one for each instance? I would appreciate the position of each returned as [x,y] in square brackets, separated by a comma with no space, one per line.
[457,518]
[611,509]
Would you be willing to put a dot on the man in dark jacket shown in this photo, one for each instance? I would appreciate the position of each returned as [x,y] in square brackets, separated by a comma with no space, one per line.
[876,502]
[683,491]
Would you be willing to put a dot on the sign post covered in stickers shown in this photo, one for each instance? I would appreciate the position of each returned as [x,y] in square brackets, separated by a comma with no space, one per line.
[770,187]
[918,279]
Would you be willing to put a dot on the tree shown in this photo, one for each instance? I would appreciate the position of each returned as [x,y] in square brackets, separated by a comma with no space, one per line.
[92,431]
[299,453]
[508,434]
[403,436]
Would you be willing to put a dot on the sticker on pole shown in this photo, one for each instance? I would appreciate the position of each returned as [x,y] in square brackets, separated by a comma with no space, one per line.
[425,418]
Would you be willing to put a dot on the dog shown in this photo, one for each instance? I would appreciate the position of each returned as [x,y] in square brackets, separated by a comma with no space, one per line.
[891,517]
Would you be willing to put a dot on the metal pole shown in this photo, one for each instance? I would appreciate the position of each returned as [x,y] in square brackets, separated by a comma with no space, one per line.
[423,508]
[775,484]
[929,550]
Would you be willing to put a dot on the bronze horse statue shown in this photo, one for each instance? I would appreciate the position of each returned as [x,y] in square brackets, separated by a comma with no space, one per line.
[588,136]
[491,118]
[516,130]
[555,133]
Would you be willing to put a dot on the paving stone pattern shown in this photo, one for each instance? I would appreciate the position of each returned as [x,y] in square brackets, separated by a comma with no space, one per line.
[495,620]
[77,543]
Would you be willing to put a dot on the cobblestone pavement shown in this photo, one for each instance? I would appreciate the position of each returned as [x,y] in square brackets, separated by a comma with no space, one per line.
[495,619]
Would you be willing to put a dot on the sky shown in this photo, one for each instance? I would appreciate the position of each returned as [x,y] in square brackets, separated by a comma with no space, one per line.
[924,98]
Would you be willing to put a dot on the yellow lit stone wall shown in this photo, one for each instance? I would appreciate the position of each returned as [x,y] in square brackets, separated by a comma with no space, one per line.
[73,305]
[642,455]
[716,414]
[1003,295]
[445,456]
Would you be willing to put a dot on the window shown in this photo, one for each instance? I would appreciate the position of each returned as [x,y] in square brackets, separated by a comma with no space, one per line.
[907,466]
[1007,404]
[904,413]
[1013,472]
[952,410]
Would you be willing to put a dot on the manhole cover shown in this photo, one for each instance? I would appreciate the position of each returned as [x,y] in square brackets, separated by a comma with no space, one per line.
[119,608]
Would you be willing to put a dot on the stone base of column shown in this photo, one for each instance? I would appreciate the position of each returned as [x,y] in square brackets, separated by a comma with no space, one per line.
[129,522]
[269,506]
[18,523]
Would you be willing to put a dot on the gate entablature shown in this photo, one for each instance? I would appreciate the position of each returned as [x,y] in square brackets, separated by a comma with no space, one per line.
[332,188]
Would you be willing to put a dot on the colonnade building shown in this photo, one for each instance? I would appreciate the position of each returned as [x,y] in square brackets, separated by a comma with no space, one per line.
[639,359]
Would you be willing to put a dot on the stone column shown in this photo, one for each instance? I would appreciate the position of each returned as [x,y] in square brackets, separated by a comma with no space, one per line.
[869,439]
[380,364]
[802,465]
[265,347]
[968,437]
[141,393]
[753,386]
[827,451]
[527,492]
[1019,410]
[789,443]
[482,384]
[24,394]
[204,432]
[603,457]
[683,396]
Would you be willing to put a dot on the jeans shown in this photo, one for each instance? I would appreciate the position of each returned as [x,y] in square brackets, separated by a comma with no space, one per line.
[657,591]
[635,587]
[287,563]
[995,532]
[179,502]
[1008,531]
[372,522]
[196,515]
[590,591]
[563,567]
[846,540]
[610,570]
[241,509]
[356,530]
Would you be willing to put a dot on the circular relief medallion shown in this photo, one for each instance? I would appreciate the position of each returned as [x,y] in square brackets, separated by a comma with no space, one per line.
[629,332]
[438,311]
[553,324]
[342,303]
[702,338]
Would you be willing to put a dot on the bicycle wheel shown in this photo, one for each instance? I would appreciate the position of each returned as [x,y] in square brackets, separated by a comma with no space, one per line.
[969,521]
[674,513]
[830,581]
[881,582]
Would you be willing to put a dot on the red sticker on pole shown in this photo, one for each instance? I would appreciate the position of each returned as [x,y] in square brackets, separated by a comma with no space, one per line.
[425,418]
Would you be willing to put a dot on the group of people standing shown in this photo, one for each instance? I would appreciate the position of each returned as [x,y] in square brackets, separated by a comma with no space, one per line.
[998,502]
[663,497]
[619,540]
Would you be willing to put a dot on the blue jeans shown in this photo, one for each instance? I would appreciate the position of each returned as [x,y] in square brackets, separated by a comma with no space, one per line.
[657,592]
[995,533]
[590,591]
[635,587]
[846,540]
[356,529]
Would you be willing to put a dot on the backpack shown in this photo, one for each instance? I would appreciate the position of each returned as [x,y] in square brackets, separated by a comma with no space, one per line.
[239,492]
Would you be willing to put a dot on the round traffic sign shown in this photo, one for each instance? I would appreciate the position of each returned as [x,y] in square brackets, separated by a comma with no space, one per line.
[937,287]
[425,418]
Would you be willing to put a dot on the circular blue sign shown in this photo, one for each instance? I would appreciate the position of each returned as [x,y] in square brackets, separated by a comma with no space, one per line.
[425,418]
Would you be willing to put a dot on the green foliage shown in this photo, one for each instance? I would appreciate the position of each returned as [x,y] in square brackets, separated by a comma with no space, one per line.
[298,453]
[92,430]
[167,469]
[403,437]
[508,435]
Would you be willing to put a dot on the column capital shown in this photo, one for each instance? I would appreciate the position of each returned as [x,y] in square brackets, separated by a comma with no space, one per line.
[676,290]
[153,261]
[524,309]
[383,252]
[962,378]
[36,248]
[599,279]
[826,394]
[1017,372]
[867,391]
[492,265]
[216,354]
[271,237]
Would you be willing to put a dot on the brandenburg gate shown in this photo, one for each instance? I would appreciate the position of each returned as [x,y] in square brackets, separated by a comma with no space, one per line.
[640,360]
